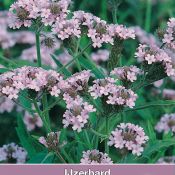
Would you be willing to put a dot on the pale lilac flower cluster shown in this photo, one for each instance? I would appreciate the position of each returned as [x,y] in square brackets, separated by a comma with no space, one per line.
[129,136]
[144,37]
[153,55]
[168,94]
[30,54]
[116,94]
[53,11]
[99,31]
[12,153]
[101,55]
[168,37]
[166,123]
[67,28]
[94,157]
[9,39]
[24,12]
[126,73]
[166,160]
[6,105]
[52,141]
[31,78]
[78,81]
[77,113]
[32,121]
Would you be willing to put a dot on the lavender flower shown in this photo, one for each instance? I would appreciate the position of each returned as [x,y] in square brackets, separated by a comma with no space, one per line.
[166,123]
[166,160]
[126,73]
[6,105]
[52,141]
[32,122]
[116,95]
[101,55]
[94,157]
[130,137]
[77,112]
[12,153]
[153,55]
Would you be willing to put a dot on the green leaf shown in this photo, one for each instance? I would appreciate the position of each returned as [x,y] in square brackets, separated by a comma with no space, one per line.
[60,65]
[157,145]
[24,137]
[42,157]
[87,64]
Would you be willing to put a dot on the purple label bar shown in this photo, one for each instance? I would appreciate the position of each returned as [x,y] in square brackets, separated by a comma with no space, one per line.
[87,169]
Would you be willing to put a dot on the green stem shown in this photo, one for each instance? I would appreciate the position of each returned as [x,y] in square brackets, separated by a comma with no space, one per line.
[46,114]
[148,16]
[88,140]
[114,16]
[161,103]
[41,116]
[70,62]
[106,141]
[98,134]
[37,36]
[76,53]
[60,157]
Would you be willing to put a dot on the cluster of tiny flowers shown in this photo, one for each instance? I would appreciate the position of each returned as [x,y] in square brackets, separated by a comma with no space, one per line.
[79,81]
[12,153]
[169,38]
[9,39]
[166,160]
[30,78]
[52,141]
[24,12]
[130,137]
[101,55]
[116,94]
[77,112]
[67,28]
[154,54]
[144,37]
[6,105]
[32,121]
[166,123]
[99,31]
[126,73]
[94,157]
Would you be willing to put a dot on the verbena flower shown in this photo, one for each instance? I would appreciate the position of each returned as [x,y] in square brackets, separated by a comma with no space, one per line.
[30,78]
[166,123]
[101,55]
[32,121]
[94,157]
[126,73]
[6,105]
[166,160]
[12,153]
[169,37]
[52,141]
[129,137]
[115,94]
[77,113]
[153,55]
[24,12]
